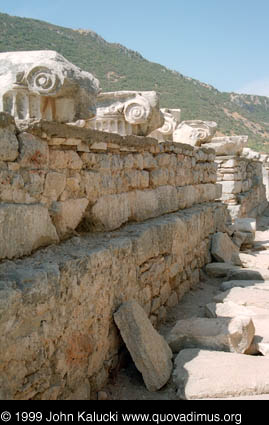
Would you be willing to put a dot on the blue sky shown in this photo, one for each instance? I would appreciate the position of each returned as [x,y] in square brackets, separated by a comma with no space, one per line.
[220,42]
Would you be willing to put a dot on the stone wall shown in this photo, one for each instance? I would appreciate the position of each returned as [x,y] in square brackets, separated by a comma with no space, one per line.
[56,178]
[58,338]
[243,189]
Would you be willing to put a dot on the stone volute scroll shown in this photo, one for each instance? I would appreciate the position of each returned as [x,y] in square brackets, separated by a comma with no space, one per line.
[171,121]
[44,85]
[195,132]
[127,113]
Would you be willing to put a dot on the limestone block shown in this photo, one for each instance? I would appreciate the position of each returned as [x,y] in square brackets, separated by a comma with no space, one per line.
[34,152]
[228,145]
[245,296]
[251,261]
[220,269]
[232,186]
[224,334]
[127,113]
[54,185]
[239,238]
[245,224]
[194,132]
[232,309]
[44,85]
[24,228]
[149,350]
[110,211]
[223,249]
[229,163]
[206,374]
[8,140]
[68,214]
[248,274]
[257,284]
[260,342]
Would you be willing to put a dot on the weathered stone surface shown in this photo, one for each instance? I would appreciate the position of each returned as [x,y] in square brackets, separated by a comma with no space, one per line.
[149,350]
[257,284]
[220,269]
[224,334]
[9,147]
[245,225]
[228,145]
[232,186]
[252,261]
[245,296]
[232,309]
[171,121]
[43,84]
[54,185]
[127,112]
[34,152]
[68,214]
[248,274]
[111,211]
[260,343]
[194,132]
[204,374]
[223,249]
[23,228]
[239,238]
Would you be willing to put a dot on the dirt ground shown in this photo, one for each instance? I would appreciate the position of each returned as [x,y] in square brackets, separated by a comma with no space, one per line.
[128,383]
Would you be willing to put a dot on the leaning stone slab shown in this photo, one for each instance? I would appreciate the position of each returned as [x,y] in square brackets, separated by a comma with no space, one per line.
[223,249]
[224,334]
[149,350]
[220,269]
[24,228]
[208,374]
[245,296]
[257,284]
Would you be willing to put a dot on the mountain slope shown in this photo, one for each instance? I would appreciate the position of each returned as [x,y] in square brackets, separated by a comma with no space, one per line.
[119,68]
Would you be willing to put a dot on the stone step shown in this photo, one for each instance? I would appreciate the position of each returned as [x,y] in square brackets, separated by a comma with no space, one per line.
[220,269]
[231,309]
[201,374]
[248,274]
[257,284]
[235,272]
[224,334]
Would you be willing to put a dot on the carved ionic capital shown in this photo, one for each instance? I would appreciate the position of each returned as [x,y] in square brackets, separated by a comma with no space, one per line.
[43,84]
[127,112]
[171,121]
[194,132]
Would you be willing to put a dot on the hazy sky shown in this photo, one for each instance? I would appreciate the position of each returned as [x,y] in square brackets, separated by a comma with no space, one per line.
[220,42]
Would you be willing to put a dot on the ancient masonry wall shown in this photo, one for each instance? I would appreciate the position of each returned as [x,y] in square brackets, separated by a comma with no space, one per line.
[56,177]
[151,212]
[243,188]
